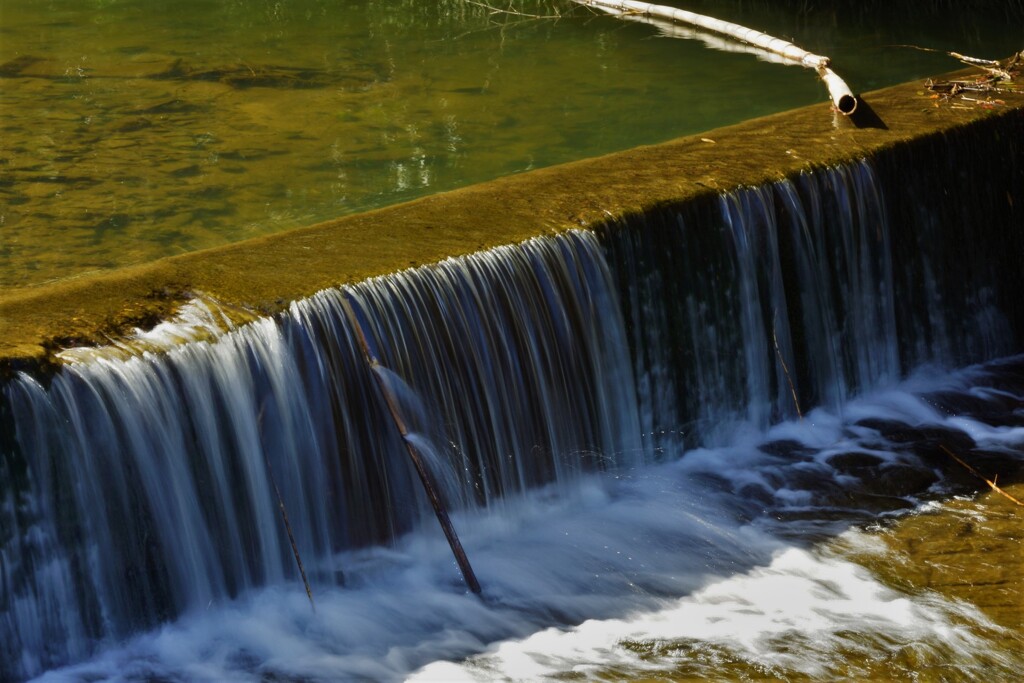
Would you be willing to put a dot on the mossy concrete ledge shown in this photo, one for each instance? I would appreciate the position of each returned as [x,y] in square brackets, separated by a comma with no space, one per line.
[267,273]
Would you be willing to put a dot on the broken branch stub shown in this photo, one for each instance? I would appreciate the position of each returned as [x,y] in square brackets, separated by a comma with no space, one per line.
[842,97]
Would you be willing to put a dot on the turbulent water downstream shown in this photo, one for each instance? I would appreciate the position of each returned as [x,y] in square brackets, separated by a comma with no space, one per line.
[664,445]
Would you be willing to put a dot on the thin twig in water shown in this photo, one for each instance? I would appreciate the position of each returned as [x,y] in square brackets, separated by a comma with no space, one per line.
[971,61]
[510,10]
[287,524]
[993,66]
[991,483]
[785,369]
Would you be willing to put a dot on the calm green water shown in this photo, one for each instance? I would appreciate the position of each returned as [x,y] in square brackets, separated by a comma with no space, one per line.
[136,129]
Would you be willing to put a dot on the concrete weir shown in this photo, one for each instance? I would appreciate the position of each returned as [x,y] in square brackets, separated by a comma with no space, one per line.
[640,384]
[267,273]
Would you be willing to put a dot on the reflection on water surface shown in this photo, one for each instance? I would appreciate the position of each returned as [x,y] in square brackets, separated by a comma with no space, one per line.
[134,130]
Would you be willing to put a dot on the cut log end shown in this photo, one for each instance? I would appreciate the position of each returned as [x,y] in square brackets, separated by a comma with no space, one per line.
[842,97]
[846,104]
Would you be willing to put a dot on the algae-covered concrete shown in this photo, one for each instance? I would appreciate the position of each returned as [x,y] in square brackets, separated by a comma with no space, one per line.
[966,551]
[266,273]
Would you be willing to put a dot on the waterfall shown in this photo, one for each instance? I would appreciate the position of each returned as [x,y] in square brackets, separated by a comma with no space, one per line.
[748,307]
[143,486]
[135,488]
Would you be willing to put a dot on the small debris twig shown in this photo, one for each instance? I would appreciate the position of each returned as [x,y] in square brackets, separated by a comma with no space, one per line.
[995,67]
[998,77]
[287,524]
[510,10]
[785,369]
[991,482]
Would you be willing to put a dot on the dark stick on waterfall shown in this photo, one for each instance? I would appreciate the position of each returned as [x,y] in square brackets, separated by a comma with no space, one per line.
[785,369]
[417,461]
[287,524]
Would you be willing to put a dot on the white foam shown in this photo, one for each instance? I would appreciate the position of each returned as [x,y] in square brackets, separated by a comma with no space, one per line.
[197,319]
[810,600]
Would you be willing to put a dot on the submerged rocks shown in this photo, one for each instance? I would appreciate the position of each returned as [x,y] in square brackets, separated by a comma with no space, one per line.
[854,462]
[906,435]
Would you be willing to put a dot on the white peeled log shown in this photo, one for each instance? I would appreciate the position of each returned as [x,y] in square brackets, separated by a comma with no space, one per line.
[842,97]
[713,41]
